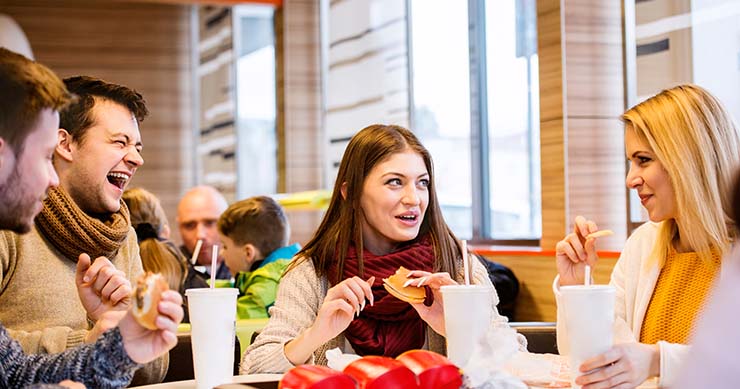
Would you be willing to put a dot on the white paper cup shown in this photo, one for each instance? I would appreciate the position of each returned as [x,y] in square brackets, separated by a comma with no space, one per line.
[589,318]
[467,318]
[213,324]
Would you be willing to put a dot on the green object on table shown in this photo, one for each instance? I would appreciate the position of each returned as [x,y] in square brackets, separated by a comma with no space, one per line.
[244,330]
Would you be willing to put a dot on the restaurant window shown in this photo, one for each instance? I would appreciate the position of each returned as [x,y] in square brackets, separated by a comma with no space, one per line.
[475,107]
[254,45]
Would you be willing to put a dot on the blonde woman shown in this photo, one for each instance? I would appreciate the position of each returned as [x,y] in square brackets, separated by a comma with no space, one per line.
[683,150]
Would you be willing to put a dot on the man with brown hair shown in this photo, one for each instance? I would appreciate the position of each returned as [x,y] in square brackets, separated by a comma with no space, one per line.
[254,233]
[97,153]
[31,95]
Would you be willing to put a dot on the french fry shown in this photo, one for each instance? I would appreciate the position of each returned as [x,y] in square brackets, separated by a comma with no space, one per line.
[599,234]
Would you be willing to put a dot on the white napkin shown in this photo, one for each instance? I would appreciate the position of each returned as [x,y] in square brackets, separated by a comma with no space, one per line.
[337,360]
[485,369]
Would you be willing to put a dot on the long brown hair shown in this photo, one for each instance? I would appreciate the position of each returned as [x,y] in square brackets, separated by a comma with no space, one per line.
[341,224]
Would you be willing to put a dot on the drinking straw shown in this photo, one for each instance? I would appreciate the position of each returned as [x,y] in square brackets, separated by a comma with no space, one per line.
[196,252]
[214,261]
[587,276]
[466,271]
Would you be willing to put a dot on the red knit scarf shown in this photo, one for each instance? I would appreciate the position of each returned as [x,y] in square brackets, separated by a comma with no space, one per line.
[390,326]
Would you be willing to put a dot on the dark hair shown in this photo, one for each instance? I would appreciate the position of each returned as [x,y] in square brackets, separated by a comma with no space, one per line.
[77,118]
[26,88]
[341,223]
[258,220]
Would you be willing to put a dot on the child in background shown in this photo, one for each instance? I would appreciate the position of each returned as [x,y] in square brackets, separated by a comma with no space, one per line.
[254,234]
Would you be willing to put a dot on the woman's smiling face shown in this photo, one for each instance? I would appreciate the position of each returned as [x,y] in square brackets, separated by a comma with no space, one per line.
[394,200]
[648,177]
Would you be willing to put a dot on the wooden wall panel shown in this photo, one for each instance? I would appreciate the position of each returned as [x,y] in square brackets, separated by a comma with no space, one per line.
[552,124]
[299,121]
[553,173]
[582,96]
[143,46]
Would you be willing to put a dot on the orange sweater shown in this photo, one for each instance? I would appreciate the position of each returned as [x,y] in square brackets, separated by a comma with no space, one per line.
[678,298]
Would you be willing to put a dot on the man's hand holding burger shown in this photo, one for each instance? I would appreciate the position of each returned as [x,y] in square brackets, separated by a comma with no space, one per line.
[144,345]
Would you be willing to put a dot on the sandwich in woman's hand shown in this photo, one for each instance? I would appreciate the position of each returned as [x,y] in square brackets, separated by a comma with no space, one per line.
[395,286]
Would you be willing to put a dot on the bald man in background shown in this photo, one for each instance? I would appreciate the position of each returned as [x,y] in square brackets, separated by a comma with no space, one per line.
[197,216]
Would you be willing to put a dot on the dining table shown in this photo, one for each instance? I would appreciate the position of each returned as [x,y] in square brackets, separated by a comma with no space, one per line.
[260,381]
[270,381]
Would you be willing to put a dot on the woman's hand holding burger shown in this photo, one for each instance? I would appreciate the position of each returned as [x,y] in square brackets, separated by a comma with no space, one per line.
[433,314]
[343,302]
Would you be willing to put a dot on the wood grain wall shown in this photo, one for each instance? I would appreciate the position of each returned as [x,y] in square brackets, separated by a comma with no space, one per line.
[581,98]
[299,121]
[143,46]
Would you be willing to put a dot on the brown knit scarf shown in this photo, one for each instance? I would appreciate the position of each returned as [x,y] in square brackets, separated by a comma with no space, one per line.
[73,232]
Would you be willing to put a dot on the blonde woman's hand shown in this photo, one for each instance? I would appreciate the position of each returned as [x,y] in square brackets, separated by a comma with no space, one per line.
[624,366]
[433,315]
[343,302]
[575,251]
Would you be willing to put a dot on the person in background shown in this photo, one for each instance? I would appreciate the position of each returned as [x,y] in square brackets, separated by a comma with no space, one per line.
[197,215]
[158,254]
[714,360]
[683,149]
[383,214]
[254,233]
[98,152]
[29,120]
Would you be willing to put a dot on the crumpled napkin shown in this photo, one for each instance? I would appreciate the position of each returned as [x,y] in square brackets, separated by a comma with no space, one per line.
[486,366]
[337,360]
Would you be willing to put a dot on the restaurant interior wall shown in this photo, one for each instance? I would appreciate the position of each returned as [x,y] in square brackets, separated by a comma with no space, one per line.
[684,41]
[581,97]
[142,45]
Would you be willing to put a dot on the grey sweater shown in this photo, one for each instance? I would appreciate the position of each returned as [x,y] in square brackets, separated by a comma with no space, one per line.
[39,304]
[103,364]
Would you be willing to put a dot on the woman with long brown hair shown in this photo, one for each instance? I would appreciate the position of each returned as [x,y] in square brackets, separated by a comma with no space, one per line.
[383,214]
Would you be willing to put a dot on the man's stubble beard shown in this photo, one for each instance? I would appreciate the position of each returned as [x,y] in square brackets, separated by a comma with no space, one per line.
[13,204]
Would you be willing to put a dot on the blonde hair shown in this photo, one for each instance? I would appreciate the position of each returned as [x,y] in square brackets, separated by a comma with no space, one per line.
[157,254]
[696,141]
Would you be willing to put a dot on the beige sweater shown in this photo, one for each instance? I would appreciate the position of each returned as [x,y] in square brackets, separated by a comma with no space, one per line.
[38,297]
[299,298]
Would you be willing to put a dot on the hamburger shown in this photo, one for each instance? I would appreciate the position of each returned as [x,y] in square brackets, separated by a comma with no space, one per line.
[148,293]
[410,294]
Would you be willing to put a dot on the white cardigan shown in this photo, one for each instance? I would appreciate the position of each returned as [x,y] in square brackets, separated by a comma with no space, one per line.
[634,280]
